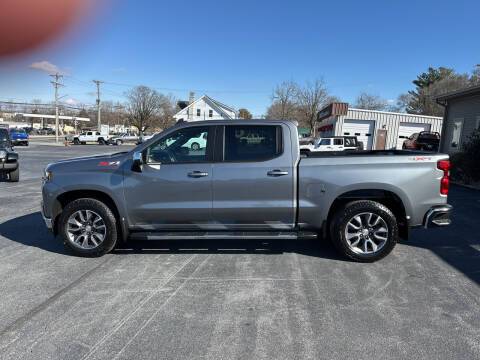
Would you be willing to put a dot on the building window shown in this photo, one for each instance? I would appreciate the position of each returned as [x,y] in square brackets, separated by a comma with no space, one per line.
[198,112]
[210,113]
[456,133]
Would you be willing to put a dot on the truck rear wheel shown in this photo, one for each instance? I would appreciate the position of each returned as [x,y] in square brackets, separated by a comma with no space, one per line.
[76,141]
[88,228]
[364,230]
[14,176]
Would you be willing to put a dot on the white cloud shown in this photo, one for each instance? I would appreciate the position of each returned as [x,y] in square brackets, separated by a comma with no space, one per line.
[120,69]
[47,67]
[390,101]
[70,101]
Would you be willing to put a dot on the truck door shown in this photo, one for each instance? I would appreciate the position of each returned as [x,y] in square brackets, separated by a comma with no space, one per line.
[253,181]
[174,188]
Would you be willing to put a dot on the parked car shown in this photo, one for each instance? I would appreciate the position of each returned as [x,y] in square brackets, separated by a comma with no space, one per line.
[336,143]
[424,140]
[91,136]
[8,158]
[163,189]
[305,139]
[18,136]
[122,138]
[145,137]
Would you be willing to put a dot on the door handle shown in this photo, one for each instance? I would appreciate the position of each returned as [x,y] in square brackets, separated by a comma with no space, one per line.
[277,173]
[197,174]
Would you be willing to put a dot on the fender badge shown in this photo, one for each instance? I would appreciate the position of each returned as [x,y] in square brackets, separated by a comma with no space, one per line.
[109,163]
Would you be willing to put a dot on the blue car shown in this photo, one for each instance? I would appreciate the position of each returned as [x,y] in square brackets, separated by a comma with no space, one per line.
[18,137]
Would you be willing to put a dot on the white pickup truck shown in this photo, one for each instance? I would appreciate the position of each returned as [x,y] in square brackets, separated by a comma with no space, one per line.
[335,143]
[91,136]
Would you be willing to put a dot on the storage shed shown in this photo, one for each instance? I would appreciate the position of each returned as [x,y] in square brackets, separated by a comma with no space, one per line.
[377,130]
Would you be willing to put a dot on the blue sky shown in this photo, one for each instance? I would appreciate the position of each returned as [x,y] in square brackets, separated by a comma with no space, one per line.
[238,51]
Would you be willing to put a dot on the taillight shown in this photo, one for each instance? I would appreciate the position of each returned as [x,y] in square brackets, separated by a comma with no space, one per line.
[445,182]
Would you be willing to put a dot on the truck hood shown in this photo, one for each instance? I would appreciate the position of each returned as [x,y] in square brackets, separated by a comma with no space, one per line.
[89,162]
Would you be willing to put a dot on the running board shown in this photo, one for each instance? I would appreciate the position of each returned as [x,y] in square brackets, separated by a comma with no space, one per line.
[211,235]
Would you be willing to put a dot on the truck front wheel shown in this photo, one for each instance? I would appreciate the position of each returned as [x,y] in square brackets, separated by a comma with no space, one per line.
[88,228]
[364,230]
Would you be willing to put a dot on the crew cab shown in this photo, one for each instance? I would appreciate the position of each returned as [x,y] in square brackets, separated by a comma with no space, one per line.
[8,158]
[235,188]
[424,140]
[18,136]
[91,136]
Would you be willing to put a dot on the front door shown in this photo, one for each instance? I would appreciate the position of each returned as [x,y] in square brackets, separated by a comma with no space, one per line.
[253,183]
[381,140]
[174,188]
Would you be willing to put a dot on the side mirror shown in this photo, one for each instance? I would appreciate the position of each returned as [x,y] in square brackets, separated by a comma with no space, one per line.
[137,161]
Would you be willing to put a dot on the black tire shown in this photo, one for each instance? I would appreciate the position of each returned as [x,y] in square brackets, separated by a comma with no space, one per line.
[108,218]
[101,141]
[339,223]
[14,176]
[118,142]
[76,141]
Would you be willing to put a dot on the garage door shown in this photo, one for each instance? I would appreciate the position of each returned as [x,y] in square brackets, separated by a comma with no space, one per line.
[363,129]
[407,129]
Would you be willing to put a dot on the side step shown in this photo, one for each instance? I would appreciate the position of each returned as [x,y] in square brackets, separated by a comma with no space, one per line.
[215,235]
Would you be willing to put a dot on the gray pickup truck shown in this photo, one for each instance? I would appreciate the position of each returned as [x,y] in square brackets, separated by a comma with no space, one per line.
[246,180]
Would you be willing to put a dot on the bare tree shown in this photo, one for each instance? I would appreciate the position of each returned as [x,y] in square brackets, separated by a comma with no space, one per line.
[168,108]
[142,107]
[310,99]
[283,101]
[370,102]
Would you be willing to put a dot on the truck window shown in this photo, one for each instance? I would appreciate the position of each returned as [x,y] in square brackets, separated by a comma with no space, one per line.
[325,142]
[184,145]
[252,142]
[337,141]
[89,133]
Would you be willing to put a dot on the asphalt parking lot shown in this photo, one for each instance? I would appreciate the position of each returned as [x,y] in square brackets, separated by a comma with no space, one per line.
[232,300]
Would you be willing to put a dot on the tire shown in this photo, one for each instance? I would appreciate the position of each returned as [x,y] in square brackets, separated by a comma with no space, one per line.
[345,222]
[404,147]
[195,146]
[96,208]
[118,142]
[101,141]
[14,176]
[76,141]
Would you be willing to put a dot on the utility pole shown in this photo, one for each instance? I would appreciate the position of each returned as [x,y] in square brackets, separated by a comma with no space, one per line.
[56,84]
[98,82]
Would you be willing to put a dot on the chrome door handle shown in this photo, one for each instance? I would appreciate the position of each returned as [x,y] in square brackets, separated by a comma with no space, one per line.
[277,173]
[197,174]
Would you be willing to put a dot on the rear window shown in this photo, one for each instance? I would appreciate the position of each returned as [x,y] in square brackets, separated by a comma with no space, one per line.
[252,142]
[337,141]
[3,135]
[432,136]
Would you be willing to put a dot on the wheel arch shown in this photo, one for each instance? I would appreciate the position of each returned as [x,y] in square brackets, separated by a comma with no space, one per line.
[67,197]
[385,197]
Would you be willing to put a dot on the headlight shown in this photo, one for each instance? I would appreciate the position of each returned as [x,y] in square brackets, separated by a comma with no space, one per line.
[3,154]
[47,175]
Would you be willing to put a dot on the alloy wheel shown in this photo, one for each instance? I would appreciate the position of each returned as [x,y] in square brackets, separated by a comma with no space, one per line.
[366,233]
[86,229]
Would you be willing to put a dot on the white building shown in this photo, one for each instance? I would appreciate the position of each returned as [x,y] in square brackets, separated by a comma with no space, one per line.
[204,108]
[378,130]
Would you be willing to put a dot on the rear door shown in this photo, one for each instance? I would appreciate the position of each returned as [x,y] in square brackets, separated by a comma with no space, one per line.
[253,180]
